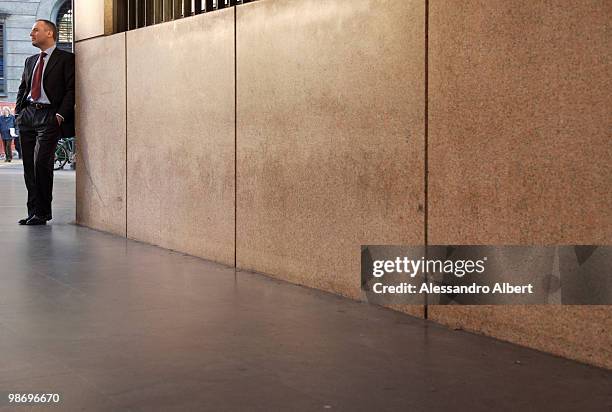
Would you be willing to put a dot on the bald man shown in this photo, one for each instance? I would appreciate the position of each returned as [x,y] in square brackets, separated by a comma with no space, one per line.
[45,108]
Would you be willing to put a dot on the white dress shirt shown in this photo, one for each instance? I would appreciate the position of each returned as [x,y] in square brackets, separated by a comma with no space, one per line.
[43,96]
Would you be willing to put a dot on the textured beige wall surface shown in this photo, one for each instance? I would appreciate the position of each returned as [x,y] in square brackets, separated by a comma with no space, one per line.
[330,136]
[330,141]
[181,135]
[89,17]
[100,124]
[519,149]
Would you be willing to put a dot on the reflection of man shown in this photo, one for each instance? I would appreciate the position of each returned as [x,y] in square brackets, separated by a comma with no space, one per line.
[45,105]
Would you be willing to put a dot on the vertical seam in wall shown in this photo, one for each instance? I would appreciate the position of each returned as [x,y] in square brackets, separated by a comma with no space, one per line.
[235,147]
[126,132]
[426,152]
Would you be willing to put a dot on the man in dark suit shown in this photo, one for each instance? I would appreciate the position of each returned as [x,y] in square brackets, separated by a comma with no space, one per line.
[45,105]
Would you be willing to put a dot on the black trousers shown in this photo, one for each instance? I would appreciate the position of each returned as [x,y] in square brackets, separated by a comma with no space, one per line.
[8,149]
[39,133]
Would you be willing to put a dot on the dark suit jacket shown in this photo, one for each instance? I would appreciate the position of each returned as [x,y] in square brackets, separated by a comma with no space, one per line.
[58,82]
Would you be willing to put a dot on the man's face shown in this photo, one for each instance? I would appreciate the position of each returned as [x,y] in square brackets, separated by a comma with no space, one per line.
[41,36]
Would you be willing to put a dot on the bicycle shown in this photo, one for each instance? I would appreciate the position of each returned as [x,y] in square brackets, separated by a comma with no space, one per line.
[64,153]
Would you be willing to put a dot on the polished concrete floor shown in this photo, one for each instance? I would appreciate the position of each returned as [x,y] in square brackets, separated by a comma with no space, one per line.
[116,325]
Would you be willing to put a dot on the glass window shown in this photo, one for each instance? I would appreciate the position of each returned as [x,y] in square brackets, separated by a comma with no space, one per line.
[64,26]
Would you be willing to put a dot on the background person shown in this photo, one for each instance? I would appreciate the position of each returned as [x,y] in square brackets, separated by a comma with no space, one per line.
[7,122]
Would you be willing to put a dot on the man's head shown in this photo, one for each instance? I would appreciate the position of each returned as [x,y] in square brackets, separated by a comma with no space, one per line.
[43,34]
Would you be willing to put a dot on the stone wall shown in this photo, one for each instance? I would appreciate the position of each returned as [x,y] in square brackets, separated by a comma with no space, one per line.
[327,139]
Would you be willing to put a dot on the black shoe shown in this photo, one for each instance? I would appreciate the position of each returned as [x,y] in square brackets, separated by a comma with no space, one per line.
[25,219]
[36,221]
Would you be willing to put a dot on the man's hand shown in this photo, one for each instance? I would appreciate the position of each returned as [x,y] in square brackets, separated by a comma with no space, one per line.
[60,119]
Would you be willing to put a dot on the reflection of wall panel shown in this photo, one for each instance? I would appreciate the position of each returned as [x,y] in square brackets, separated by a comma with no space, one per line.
[519,149]
[181,135]
[330,135]
[100,99]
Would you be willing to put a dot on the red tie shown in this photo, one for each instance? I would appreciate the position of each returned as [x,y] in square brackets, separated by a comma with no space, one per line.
[38,77]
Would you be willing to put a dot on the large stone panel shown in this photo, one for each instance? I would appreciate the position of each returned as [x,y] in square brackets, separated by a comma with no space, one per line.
[19,21]
[16,7]
[181,126]
[15,34]
[519,149]
[100,123]
[22,46]
[17,60]
[89,18]
[329,135]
